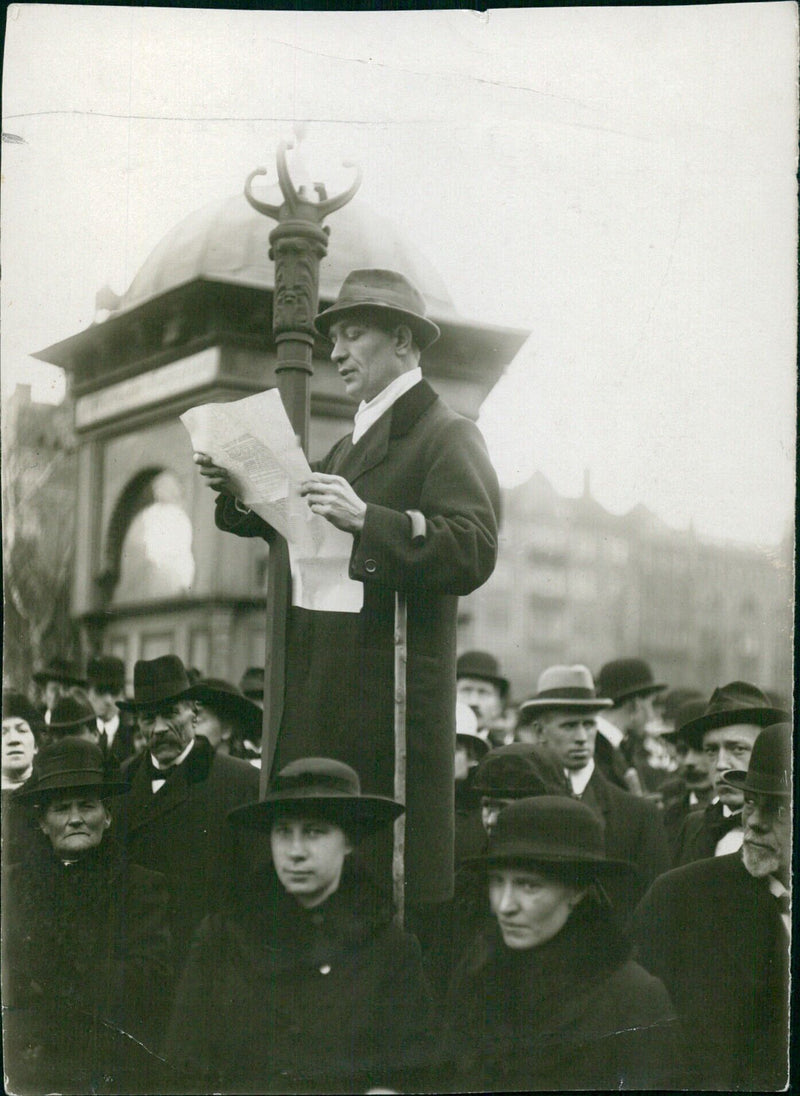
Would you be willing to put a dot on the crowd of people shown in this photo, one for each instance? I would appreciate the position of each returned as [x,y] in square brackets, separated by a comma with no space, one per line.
[619,915]
[596,880]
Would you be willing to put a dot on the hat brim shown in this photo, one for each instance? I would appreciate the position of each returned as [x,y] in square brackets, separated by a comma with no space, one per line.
[522,853]
[599,704]
[41,677]
[104,790]
[137,706]
[639,690]
[363,814]
[473,740]
[224,702]
[737,778]
[426,332]
[693,731]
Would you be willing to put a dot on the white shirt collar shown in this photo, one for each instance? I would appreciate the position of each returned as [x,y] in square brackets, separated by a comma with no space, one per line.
[579,778]
[110,728]
[369,413]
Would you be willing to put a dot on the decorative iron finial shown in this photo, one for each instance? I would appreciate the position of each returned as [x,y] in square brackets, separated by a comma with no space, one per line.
[298,203]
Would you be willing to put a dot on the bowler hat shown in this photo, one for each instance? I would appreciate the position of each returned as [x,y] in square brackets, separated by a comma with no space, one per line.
[70,714]
[770,768]
[157,681]
[685,718]
[387,292]
[17,706]
[484,667]
[319,786]
[106,672]
[738,702]
[252,683]
[565,687]
[550,830]
[520,770]
[229,702]
[59,669]
[625,678]
[70,764]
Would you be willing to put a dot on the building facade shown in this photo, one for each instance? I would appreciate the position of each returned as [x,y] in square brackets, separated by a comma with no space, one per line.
[576,583]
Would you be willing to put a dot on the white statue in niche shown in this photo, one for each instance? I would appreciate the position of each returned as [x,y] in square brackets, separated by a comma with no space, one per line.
[157,559]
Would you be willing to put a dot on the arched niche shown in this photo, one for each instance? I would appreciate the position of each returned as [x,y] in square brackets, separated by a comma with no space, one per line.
[148,551]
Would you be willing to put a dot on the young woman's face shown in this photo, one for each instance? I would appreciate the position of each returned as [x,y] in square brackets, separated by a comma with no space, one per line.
[308,855]
[530,908]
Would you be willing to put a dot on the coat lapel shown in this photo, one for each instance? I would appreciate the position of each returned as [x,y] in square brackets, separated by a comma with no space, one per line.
[144,806]
[352,461]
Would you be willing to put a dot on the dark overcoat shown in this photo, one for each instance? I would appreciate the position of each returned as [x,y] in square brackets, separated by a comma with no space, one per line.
[701,832]
[419,456]
[86,973]
[183,832]
[714,935]
[573,1013]
[633,832]
[277,998]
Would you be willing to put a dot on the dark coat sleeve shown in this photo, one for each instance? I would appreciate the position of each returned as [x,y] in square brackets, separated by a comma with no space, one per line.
[460,501]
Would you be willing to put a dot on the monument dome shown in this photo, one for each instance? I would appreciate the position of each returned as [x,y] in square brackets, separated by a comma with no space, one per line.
[229,241]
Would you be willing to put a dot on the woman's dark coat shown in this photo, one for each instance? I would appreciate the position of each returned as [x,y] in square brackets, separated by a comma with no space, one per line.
[85,973]
[276,998]
[573,1013]
[339,697]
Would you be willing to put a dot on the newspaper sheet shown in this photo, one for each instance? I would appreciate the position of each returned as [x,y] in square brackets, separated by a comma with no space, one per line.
[253,439]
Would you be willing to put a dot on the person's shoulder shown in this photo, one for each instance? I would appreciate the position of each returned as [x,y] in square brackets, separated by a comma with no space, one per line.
[714,871]
[235,769]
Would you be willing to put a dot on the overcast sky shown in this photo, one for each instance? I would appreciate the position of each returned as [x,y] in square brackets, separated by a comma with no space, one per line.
[620,181]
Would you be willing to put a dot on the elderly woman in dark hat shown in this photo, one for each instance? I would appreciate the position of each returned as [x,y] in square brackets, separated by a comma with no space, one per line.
[310,986]
[548,997]
[85,942]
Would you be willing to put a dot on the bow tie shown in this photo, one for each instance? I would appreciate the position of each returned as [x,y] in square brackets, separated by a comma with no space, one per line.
[160,774]
[718,825]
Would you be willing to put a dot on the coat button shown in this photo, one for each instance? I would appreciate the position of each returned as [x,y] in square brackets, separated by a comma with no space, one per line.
[370,566]
[325,968]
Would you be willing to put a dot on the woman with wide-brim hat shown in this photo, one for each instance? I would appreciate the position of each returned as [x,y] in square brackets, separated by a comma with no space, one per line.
[85,939]
[307,984]
[225,716]
[547,996]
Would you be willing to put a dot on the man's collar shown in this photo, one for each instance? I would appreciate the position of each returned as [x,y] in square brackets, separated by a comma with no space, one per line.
[579,778]
[369,413]
[610,731]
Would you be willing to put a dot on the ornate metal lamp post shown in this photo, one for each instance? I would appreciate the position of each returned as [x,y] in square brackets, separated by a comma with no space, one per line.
[297,245]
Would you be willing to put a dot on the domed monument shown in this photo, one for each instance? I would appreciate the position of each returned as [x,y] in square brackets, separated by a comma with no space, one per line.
[152,573]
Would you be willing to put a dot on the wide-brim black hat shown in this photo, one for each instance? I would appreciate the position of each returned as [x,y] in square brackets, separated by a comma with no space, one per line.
[321,788]
[228,701]
[738,702]
[70,713]
[624,678]
[157,681]
[69,765]
[551,831]
[770,768]
[387,292]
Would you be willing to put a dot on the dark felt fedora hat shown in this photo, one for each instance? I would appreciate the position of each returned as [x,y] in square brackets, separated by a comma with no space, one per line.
[627,677]
[387,292]
[252,683]
[484,667]
[157,681]
[228,702]
[770,768]
[518,771]
[70,714]
[59,669]
[17,706]
[319,787]
[550,830]
[71,764]
[564,687]
[106,672]
[738,702]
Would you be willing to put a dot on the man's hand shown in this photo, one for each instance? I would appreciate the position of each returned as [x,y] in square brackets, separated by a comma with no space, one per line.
[217,478]
[333,498]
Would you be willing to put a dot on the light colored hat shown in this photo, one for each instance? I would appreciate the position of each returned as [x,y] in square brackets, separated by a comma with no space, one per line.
[565,687]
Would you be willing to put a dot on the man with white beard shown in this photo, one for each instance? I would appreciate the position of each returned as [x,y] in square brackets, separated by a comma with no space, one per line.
[717,932]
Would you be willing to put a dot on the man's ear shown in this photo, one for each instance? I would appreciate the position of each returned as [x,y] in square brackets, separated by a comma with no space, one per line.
[404,338]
